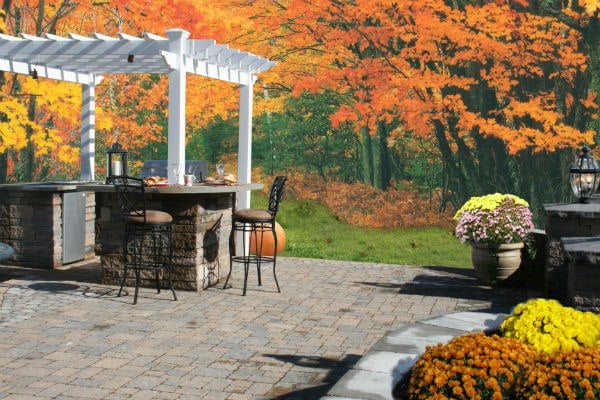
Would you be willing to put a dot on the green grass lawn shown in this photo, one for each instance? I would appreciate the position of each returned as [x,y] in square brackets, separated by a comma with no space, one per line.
[313,232]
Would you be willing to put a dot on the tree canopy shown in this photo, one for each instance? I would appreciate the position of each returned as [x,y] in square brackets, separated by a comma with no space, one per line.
[469,96]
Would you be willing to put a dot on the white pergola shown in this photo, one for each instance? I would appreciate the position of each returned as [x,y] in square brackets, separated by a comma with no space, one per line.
[84,60]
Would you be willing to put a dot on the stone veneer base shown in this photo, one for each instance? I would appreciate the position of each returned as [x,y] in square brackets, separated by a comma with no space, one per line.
[31,222]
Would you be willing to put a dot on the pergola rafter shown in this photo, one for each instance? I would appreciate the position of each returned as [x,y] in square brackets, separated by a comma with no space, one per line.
[84,60]
[83,57]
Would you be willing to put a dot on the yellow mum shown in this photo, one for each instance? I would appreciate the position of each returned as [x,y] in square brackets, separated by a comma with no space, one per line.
[551,327]
[488,202]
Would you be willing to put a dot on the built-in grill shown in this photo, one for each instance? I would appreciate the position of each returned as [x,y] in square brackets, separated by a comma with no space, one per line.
[159,168]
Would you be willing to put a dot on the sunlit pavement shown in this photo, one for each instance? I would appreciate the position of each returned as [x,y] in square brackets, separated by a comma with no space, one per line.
[64,335]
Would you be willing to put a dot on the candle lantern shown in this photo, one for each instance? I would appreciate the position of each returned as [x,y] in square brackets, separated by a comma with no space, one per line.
[584,175]
[116,161]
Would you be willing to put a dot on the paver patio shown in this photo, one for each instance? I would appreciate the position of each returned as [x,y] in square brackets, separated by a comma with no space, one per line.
[63,335]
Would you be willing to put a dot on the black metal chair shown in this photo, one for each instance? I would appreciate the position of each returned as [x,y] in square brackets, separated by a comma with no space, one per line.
[255,222]
[148,238]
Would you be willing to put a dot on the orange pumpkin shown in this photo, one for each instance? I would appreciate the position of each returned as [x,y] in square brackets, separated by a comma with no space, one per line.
[268,243]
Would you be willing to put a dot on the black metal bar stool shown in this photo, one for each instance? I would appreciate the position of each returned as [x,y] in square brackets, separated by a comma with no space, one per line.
[148,238]
[255,222]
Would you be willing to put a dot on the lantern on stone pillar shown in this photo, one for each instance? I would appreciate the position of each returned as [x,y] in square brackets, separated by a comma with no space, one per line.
[116,161]
[584,175]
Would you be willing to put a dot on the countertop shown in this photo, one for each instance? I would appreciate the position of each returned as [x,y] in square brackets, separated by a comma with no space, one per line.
[197,188]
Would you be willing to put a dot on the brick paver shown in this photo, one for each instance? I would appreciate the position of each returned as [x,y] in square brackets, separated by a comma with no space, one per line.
[63,335]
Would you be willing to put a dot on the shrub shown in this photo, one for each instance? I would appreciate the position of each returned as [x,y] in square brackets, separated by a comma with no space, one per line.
[360,204]
[551,327]
[574,375]
[469,367]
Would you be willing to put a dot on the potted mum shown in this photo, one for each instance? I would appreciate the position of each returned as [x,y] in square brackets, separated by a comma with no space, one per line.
[496,225]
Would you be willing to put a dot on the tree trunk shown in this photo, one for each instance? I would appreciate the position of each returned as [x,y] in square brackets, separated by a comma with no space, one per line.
[367,157]
[28,153]
[457,181]
[494,167]
[3,167]
[385,162]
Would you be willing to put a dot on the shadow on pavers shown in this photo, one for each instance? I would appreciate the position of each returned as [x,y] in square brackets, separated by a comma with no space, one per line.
[458,283]
[88,271]
[335,370]
[83,278]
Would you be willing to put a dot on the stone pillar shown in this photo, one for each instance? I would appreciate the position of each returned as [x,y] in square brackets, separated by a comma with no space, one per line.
[31,222]
[562,221]
[582,255]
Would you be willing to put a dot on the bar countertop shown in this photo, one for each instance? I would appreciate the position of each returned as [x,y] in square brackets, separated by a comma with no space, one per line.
[197,188]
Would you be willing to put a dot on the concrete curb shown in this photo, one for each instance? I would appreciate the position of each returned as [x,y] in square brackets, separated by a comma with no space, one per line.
[378,371]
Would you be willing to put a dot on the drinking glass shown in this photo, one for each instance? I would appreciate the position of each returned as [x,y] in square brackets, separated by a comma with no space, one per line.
[220,170]
[174,169]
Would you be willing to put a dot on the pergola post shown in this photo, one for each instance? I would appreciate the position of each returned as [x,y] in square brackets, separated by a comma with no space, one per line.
[177,82]
[88,131]
[245,143]
[244,158]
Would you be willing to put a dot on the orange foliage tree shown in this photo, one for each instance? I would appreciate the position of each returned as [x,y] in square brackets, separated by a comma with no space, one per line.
[35,137]
[499,90]
[131,109]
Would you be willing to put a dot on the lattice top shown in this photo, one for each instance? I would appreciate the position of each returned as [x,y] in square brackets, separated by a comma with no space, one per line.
[82,59]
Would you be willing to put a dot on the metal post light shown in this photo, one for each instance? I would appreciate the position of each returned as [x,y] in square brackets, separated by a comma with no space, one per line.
[116,161]
[584,175]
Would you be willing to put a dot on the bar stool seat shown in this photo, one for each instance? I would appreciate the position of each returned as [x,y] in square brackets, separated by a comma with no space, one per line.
[253,215]
[148,238]
[152,217]
[255,222]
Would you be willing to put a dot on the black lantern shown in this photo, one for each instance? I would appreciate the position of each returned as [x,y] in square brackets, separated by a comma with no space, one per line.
[116,161]
[584,175]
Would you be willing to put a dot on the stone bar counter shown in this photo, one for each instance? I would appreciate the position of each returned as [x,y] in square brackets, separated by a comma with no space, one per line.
[564,221]
[51,224]
[201,253]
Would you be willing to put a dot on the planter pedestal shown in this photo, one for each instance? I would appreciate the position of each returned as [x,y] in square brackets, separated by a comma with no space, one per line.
[494,263]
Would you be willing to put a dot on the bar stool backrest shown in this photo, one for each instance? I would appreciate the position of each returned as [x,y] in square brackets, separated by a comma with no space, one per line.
[277,192]
[130,191]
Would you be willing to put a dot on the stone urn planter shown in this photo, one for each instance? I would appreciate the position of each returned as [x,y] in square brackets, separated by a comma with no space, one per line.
[495,263]
[488,221]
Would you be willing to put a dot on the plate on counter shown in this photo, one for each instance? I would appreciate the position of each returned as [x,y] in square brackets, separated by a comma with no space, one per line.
[216,182]
[158,184]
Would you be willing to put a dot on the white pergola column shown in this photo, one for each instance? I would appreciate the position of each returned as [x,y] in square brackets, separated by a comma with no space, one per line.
[88,131]
[245,143]
[244,159]
[177,82]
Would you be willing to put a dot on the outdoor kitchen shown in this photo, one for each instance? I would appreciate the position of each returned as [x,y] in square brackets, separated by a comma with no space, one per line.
[56,223]
[53,224]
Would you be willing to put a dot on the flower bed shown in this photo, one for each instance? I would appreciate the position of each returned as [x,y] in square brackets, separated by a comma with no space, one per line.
[574,375]
[470,366]
[540,355]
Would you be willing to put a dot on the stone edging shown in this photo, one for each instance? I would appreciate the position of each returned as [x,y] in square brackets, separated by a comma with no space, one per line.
[378,371]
